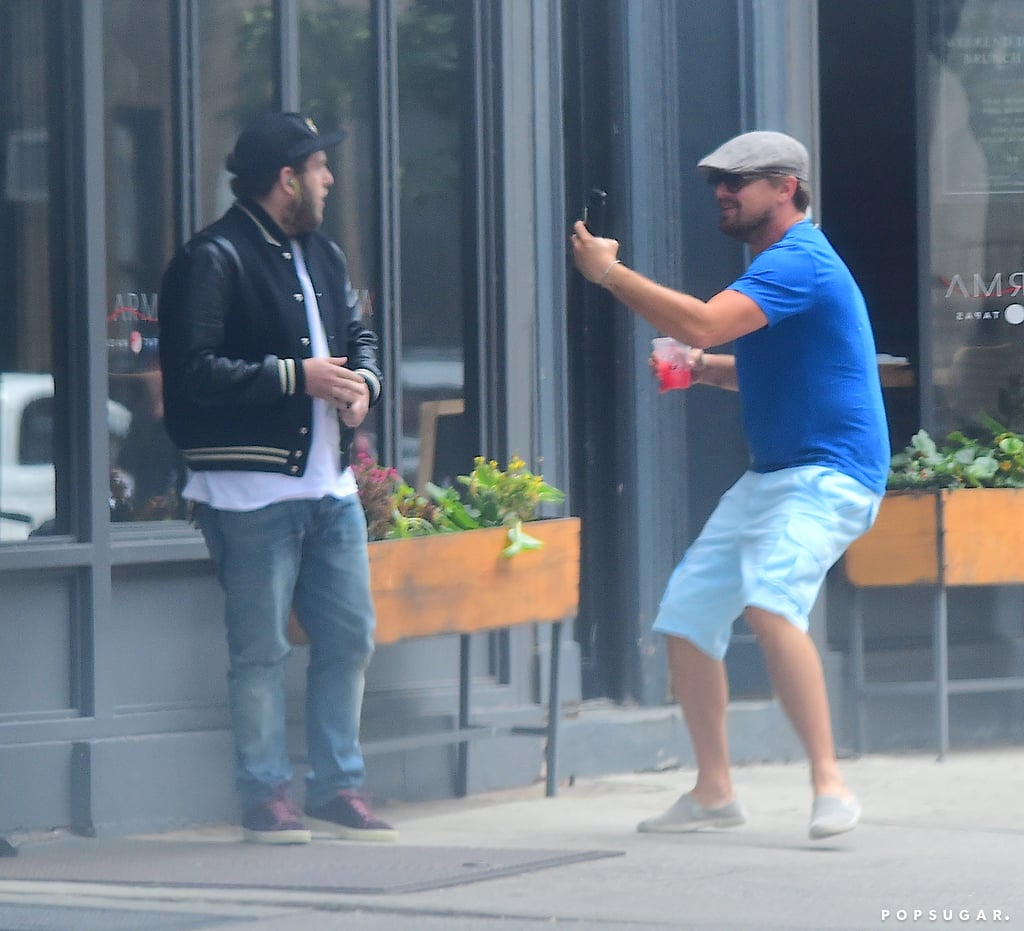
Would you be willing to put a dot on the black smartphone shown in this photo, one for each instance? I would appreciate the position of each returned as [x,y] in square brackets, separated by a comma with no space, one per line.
[594,211]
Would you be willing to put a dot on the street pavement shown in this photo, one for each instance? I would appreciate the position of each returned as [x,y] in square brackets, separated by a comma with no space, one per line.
[941,845]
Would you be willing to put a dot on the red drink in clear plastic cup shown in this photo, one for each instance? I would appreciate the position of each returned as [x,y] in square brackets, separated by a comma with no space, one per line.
[671,364]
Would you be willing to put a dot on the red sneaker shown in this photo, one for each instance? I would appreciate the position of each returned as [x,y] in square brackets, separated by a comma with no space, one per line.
[348,815]
[275,820]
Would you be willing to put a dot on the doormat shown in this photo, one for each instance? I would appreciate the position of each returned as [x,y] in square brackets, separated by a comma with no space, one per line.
[357,868]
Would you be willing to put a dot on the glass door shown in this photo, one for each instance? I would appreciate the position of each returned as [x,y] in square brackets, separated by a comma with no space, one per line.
[974,306]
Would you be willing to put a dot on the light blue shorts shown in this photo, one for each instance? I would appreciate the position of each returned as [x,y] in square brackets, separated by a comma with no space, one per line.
[768,544]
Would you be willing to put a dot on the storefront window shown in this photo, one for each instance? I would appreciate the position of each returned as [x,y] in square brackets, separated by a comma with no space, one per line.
[233,88]
[339,88]
[976,161]
[434,97]
[30,441]
[139,219]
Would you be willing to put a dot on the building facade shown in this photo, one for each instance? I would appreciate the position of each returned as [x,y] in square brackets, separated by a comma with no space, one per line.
[475,130]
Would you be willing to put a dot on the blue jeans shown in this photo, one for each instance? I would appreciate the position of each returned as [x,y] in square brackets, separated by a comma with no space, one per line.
[310,554]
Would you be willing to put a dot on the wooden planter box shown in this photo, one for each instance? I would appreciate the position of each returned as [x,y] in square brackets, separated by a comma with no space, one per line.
[459,583]
[938,539]
[456,583]
[964,536]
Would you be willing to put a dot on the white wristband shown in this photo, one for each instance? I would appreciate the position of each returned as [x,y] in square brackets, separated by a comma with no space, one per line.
[607,271]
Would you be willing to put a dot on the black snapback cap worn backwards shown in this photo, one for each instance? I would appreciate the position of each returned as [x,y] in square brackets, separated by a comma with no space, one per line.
[274,140]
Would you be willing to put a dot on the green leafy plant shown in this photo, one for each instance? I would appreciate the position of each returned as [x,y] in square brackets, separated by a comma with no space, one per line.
[965,463]
[394,509]
[490,497]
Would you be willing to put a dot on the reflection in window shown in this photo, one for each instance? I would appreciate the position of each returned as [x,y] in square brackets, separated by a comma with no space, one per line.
[434,95]
[976,164]
[145,471]
[338,83]
[338,87]
[233,88]
[35,440]
[28,498]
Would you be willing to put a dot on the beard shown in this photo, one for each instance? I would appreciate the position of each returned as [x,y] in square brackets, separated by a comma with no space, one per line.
[743,228]
[301,217]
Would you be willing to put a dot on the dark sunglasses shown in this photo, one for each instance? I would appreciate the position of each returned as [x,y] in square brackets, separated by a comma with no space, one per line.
[733,182]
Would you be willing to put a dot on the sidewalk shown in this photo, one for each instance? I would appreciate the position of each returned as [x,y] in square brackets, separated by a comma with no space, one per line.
[941,845]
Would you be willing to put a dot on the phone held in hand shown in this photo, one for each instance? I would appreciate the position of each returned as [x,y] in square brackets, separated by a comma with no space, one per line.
[594,211]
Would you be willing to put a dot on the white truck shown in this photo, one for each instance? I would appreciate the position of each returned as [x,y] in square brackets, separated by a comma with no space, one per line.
[27,472]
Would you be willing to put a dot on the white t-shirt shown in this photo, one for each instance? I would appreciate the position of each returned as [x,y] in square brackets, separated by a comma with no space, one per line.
[248,491]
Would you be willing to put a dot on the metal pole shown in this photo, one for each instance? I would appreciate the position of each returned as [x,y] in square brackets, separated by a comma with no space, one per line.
[941,662]
[857,671]
[940,634]
[462,766]
[554,711]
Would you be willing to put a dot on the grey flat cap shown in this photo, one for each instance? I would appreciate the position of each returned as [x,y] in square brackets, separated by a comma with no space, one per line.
[753,153]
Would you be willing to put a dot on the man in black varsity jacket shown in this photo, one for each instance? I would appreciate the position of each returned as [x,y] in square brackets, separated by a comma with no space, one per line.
[266,368]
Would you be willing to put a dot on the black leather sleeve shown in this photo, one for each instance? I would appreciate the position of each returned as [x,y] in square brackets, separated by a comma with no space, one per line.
[203,364]
[362,358]
[361,343]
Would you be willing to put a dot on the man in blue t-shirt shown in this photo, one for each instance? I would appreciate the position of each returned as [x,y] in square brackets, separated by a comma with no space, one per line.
[806,370]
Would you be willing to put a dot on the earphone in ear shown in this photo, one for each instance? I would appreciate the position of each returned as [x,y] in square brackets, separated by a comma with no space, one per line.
[292,185]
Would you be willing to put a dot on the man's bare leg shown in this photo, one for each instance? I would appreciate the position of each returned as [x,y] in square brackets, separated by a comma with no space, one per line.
[700,685]
[794,666]
[702,689]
